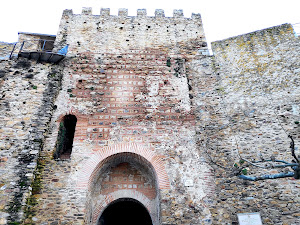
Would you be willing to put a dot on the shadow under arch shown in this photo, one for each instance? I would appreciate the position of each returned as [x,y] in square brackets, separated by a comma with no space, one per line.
[143,164]
[99,196]
[129,211]
[86,175]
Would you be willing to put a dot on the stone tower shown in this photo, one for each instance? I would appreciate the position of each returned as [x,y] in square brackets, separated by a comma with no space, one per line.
[126,87]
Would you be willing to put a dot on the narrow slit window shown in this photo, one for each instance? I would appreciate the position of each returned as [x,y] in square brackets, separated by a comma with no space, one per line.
[65,137]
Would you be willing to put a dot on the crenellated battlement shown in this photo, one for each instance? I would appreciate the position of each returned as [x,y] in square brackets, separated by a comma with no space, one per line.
[122,12]
[87,31]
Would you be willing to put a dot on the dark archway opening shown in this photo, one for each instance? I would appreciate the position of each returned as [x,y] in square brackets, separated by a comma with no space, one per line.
[125,211]
[65,137]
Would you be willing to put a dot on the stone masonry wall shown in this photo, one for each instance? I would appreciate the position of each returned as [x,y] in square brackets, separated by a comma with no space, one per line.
[246,110]
[5,49]
[108,33]
[182,124]
[27,89]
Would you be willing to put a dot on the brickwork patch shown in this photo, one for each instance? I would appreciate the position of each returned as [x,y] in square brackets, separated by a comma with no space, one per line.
[88,172]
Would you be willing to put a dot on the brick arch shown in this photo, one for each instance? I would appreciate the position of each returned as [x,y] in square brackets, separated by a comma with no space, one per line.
[99,209]
[91,168]
[70,112]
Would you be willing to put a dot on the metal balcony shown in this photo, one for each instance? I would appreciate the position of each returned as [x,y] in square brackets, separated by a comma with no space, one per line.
[39,50]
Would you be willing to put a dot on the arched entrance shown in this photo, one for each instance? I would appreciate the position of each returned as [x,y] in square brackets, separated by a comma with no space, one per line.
[124,176]
[126,211]
[121,171]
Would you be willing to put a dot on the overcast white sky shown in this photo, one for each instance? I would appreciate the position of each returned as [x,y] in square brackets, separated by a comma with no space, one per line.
[221,18]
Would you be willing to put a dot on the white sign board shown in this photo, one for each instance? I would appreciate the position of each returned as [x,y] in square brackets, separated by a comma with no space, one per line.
[249,218]
[188,183]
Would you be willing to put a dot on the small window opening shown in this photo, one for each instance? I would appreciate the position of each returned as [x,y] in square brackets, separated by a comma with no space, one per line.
[65,137]
[46,44]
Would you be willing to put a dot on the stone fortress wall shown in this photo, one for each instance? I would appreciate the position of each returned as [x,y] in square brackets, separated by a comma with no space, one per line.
[150,103]
[27,92]
[5,49]
[247,105]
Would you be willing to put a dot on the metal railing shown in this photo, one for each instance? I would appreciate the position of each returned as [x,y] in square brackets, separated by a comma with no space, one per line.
[38,45]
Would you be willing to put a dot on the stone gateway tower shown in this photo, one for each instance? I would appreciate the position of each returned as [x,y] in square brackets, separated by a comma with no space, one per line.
[138,124]
[127,86]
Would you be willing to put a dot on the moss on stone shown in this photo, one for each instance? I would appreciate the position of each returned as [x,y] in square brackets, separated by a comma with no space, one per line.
[36,187]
